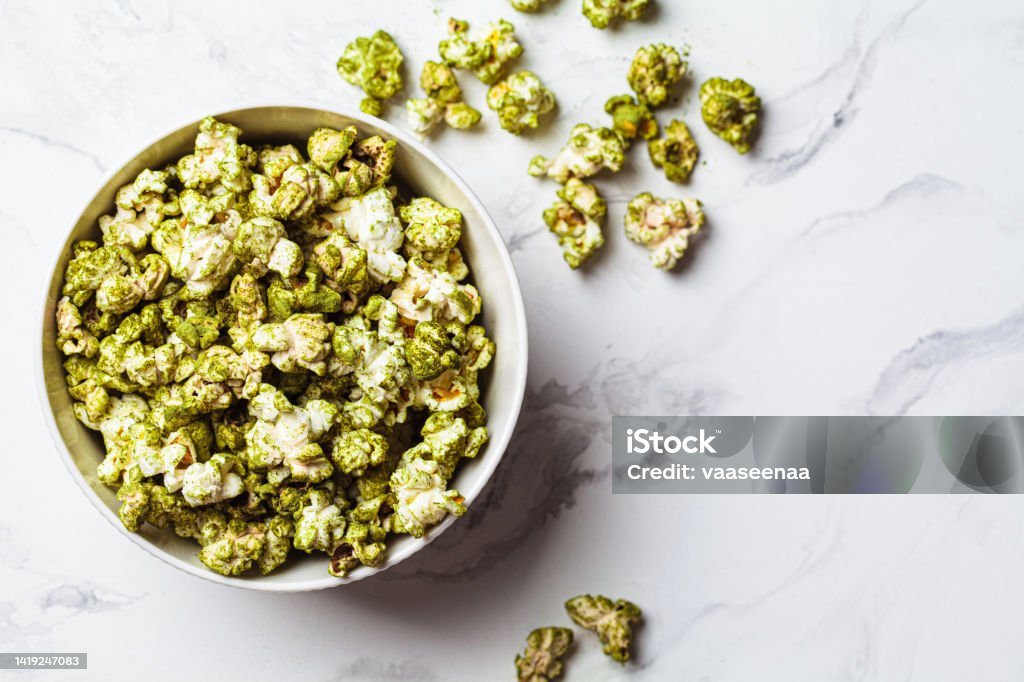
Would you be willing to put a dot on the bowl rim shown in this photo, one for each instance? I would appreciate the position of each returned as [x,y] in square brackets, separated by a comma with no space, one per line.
[500,444]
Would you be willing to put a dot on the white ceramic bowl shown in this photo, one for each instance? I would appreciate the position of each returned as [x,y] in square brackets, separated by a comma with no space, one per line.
[502,386]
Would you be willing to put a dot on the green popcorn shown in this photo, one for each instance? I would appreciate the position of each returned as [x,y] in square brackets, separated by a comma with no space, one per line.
[235,332]
[164,506]
[459,51]
[373,64]
[448,439]
[364,538]
[487,57]
[601,12]
[731,110]
[431,229]
[458,391]
[424,114]
[121,415]
[272,162]
[430,352]
[199,255]
[443,101]
[135,502]
[203,525]
[329,147]
[385,313]
[262,245]
[370,222]
[344,263]
[320,523]
[235,549]
[426,293]
[378,155]
[654,72]
[664,227]
[422,497]
[588,151]
[91,268]
[212,481]
[300,342]
[279,542]
[218,158]
[355,451]
[676,153]
[542,659]
[527,5]
[247,301]
[198,332]
[141,207]
[612,621]
[72,337]
[382,374]
[310,293]
[439,82]
[520,100]
[286,435]
[302,188]
[461,116]
[576,221]
[631,119]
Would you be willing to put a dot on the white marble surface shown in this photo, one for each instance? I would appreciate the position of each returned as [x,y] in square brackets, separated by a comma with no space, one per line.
[866,258]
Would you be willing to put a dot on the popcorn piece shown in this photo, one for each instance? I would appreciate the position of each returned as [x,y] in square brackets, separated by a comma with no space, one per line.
[430,351]
[576,221]
[487,57]
[272,162]
[429,294]
[676,153]
[601,12]
[300,342]
[364,538]
[447,439]
[443,101]
[520,100]
[262,245]
[587,152]
[542,659]
[320,523]
[199,255]
[431,228]
[302,188]
[355,451]
[212,481]
[373,64]
[457,391]
[328,147]
[371,223]
[654,72]
[218,158]
[286,435]
[731,110]
[664,227]
[631,119]
[422,497]
[236,548]
[141,207]
[612,621]
[343,262]
[72,337]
